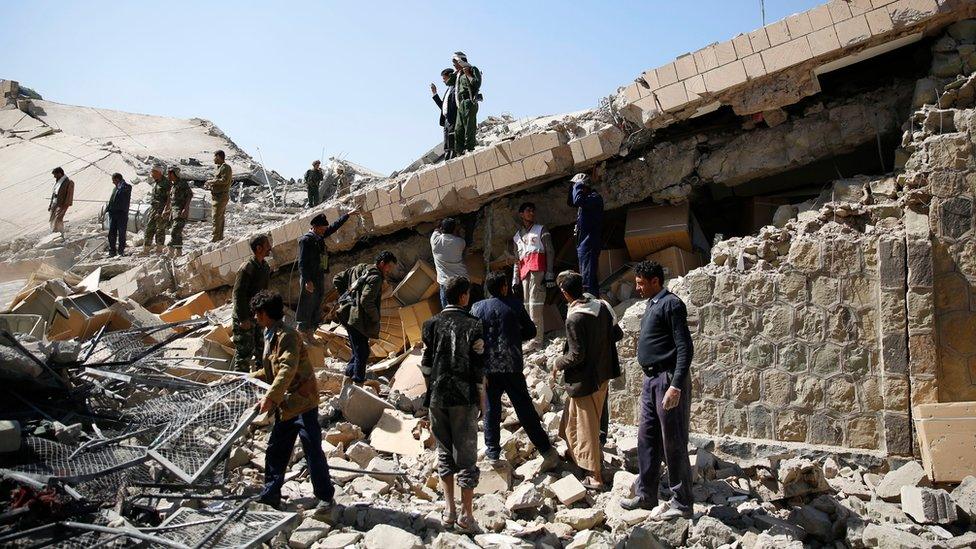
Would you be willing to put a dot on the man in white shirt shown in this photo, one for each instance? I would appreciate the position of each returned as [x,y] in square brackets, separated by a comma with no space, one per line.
[448,249]
[533,248]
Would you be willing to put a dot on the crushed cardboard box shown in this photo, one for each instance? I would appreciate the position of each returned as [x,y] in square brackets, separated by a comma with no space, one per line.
[419,284]
[414,316]
[653,228]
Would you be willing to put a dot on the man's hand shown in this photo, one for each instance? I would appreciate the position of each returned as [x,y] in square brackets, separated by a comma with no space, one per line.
[265,405]
[467,70]
[482,404]
[433,89]
[671,398]
[309,287]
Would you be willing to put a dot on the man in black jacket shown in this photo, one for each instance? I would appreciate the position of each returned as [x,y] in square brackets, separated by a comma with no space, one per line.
[448,108]
[453,366]
[664,351]
[313,263]
[364,284]
[118,215]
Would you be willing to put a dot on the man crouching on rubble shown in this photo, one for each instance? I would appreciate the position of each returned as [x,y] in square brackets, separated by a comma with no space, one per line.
[294,399]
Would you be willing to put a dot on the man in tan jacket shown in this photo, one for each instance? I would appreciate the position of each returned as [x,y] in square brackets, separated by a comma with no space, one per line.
[61,198]
[220,192]
[294,399]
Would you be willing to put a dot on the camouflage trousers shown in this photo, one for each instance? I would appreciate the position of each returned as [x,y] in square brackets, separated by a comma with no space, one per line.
[176,235]
[156,227]
[249,346]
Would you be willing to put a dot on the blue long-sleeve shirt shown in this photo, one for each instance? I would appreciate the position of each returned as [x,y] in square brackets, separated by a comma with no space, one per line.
[507,325]
[665,343]
[589,216]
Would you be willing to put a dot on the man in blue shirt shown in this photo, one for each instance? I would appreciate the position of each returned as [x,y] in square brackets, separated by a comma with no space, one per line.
[589,223]
[664,352]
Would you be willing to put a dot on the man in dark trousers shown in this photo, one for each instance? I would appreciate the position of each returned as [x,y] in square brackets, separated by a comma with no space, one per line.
[313,263]
[253,277]
[448,108]
[664,351]
[364,284]
[589,223]
[313,179]
[293,398]
[507,326]
[118,215]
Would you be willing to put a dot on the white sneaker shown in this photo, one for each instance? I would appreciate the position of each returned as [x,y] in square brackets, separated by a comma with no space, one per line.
[664,512]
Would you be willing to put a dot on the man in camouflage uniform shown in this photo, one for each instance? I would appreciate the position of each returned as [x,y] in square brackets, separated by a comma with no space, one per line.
[252,277]
[182,196]
[467,90]
[313,179]
[220,192]
[158,212]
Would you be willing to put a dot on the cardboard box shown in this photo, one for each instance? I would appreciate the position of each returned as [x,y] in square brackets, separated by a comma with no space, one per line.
[610,262]
[413,317]
[947,439]
[419,284]
[84,315]
[676,262]
[654,228]
[185,309]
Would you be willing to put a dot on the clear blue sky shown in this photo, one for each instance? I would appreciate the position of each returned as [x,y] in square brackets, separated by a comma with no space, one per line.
[354,76]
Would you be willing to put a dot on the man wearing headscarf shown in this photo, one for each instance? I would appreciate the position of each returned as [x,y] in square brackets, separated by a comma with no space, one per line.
[467,91]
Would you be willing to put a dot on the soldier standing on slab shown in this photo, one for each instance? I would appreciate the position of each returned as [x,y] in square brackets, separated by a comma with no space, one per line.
[182,196]
[253,276]
[220,192]
[467,91]
[158,212]
[313,178]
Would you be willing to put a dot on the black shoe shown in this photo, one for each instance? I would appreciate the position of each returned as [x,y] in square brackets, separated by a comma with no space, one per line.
[273,503]
[112,254]
[324,507]
[629,504]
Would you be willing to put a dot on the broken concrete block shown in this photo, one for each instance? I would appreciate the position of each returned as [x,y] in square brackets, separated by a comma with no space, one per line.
[365,486]
[965,497]
[378,466]
[384,536]
[786,55]
[9,436]
[815,522]
[343,433]
[394,433]
[568,490]
[490,512]
[507,176]
[494,479]
[909,474]
[624,483]
[361,453]
[928,505]
[339,540]
[362,407]
[581,519]
[307,533]
[548,162]
[947,439]
[525,496]
[875,535]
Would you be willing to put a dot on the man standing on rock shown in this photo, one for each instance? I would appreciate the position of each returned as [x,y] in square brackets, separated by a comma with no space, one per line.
[589,226]
[182,197]
[220,193]
[507,325]
[664,351]
[294,399]
[452,366]
[467,90]
[313,263]
[157,221]
[533,248]
[62,197]
[588,364]
[118,214]
[361,288]
[448,108]
[253,277]
[448,249]
[313,178]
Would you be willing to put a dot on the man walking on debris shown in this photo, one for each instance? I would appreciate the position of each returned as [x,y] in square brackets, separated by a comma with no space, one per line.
[313,178]
[533,248]
[294,399]
[664,352]
[220,193]
[588,364]
[360,302]
[313,263]
[448,249]
[118,214]
[506,326]
[448,108]
[62,197]
[452,366]
[589,223]
[182,196]
[253,277]
[467,90]
[158,221]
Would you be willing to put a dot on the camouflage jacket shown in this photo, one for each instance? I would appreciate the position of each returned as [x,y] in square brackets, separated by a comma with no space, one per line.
[252,277]
[314,177]
[160,193]
[294,390]
[222,180]
[182,195]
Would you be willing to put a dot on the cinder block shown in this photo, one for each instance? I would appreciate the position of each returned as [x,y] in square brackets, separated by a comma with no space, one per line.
[724,52]
[456,170]
[576,147]
[543,141]
[879,21]
[742,45]
[522,147]
[928,505]
[667,74]
[759,40]
[424,203]
[705,59]
[484,183]
[568,490]
[823,41]
[754,66]
[486,160]
[820,17]
[673,96]
[778,33]
[443,174]
[550,162]
[507,175]
[410,187]
[467,188]
[652,82]
[852,31]
[859,6]
[799,24]
[504,152]
[470,169]
[685,66]
[786,55]
[695,86]
[394,191]
[382,217]
[839,10]
[725,77]
[447,197]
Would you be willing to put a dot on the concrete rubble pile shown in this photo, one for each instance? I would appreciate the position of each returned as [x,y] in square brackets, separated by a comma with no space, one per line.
[808,188]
